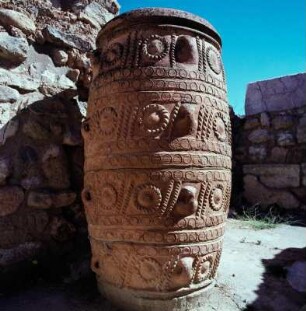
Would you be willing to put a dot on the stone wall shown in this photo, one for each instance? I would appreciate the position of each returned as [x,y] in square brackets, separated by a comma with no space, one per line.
[44,78]
[270,143]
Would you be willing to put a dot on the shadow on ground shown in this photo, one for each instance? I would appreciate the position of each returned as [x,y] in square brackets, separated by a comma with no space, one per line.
[283,283]
[260,270]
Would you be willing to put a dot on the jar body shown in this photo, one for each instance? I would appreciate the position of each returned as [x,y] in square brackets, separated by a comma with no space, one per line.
[157,162]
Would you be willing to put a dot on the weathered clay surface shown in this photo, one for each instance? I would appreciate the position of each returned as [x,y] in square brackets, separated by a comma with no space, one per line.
[157,159]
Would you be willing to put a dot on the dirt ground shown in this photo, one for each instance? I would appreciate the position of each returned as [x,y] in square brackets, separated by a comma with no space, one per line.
[260,270]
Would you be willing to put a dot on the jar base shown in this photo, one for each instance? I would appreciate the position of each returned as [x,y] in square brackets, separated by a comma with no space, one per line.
[133,300]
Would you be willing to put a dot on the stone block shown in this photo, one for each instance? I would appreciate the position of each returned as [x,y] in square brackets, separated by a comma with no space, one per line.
[65,39]
[19,80]
[13,49]
[301,130]
[264,119]
[34,129]
[300,194]
[255,192]
[46,200]
[282,122]
[303,167]
[296,154]
[275,175]
[278,155]
[55,168]
[8,95]
[251,123]
[9,18]
[285,139]
[96,14]
[276,94]
[258,153]
[8,130]
[259,136]
[10,199]
[5,170]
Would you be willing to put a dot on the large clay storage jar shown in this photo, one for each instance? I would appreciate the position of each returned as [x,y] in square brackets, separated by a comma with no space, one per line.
[157,160]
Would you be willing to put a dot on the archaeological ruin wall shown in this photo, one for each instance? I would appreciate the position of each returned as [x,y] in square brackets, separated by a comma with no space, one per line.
[270,143]
[45,73]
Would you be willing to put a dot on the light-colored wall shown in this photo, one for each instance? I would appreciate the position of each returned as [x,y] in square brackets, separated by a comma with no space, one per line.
[270,146]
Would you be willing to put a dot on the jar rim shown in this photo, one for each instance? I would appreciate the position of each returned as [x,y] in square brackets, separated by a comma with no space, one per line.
[161,15]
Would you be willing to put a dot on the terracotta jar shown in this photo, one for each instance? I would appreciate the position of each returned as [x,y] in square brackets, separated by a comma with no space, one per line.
[157,159]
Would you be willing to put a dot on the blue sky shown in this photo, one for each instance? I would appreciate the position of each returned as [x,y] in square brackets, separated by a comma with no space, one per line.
[262,39]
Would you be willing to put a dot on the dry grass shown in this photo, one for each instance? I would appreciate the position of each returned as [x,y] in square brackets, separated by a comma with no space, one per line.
[259,220]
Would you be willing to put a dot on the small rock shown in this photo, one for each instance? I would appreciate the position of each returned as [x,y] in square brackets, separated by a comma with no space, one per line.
[87,18]
[257,153]
[73,74]
[259,136]
[46,200]
[296,276]
[8,95]
[39,37]
[5,170]
[264,119]
[69,40]
[39,200]
[285,139]
[10,199]
[64,198]
[113,6]
[31,182]
[82,61]
[96,14]
[251,123]
[10,18]
[16,32]
[13,49]
[9,130]
[60,57]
